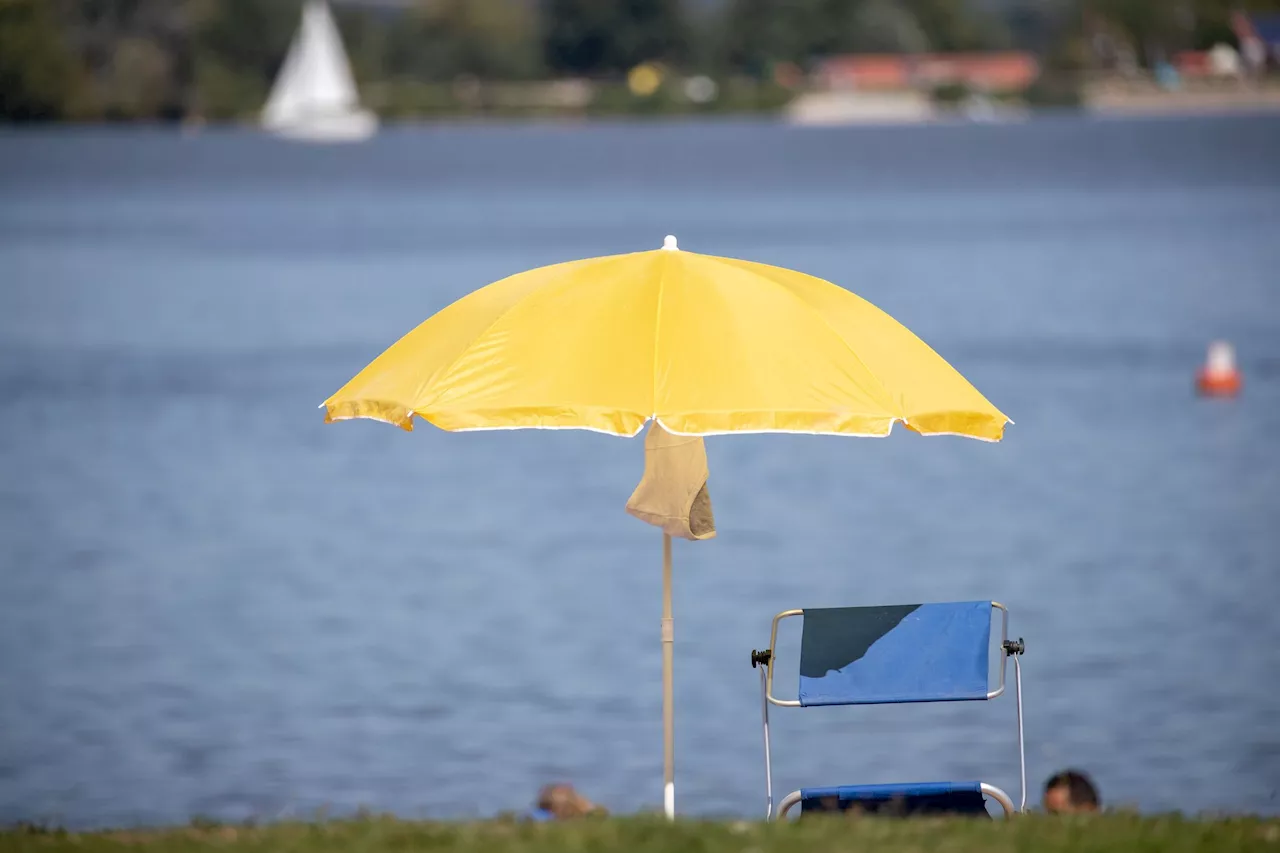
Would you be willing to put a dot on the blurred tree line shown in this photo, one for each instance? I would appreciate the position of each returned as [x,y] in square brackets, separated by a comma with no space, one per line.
[163,59]
[1155,29]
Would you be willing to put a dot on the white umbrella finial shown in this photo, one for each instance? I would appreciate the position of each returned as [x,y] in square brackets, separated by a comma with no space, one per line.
[669,243]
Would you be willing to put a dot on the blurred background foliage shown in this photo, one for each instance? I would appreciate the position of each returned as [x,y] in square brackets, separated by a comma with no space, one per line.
[215,59]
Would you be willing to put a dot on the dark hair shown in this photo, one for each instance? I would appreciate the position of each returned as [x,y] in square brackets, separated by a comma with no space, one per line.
[1079,787]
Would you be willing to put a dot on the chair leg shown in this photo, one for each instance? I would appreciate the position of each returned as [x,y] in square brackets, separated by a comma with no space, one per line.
[999,796]
[768,755]
[788,802]
[1022,751]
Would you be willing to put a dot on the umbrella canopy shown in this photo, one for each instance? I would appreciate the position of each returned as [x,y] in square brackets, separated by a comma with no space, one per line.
[697,344]
[703,344]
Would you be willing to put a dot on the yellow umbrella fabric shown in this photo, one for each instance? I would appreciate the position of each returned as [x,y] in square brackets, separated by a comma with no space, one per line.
[704,344]
[699,344]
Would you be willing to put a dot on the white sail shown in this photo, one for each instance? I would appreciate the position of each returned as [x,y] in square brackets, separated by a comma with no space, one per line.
[314,96]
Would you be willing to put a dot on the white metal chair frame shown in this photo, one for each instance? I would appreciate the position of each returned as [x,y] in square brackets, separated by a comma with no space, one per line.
[764,661]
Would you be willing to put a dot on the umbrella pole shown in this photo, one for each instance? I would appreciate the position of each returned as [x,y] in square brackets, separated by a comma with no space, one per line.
[668,699]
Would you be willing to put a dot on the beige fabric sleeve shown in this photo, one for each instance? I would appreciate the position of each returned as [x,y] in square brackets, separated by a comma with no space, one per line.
[673,494]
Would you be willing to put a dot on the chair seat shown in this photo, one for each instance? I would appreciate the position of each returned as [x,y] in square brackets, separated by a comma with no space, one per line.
[912,798]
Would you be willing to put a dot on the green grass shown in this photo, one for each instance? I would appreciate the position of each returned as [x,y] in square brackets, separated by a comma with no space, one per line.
[1030,834]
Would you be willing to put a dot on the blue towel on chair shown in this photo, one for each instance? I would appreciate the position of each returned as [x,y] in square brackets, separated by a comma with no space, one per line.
[899,800]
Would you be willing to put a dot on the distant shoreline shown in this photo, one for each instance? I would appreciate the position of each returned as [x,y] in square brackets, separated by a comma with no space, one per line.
[1139,103]
[1114,106]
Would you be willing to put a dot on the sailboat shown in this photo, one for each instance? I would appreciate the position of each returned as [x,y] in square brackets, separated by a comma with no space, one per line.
[314,97]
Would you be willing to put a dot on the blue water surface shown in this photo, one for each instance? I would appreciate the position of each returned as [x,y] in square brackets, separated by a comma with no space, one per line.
[211,603]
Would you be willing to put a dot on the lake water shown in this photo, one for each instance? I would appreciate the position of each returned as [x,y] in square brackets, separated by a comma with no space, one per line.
[211,603]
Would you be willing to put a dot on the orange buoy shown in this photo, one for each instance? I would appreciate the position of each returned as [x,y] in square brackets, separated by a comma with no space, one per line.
[1219,377]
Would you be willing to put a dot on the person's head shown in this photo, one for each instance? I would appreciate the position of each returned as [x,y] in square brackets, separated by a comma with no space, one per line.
[562,802]
[1070,792]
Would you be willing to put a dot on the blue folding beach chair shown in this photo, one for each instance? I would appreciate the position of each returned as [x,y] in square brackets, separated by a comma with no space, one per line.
[887,655]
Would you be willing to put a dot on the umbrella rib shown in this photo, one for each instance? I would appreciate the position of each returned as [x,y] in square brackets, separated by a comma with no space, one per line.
[902,415]
[463,352]
[502,315]
[657,328]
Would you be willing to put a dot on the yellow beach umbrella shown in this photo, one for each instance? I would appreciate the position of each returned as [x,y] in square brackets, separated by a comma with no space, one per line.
[698,344]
